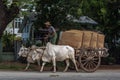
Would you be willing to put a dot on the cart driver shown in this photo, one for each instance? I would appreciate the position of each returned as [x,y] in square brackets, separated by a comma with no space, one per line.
[51,36]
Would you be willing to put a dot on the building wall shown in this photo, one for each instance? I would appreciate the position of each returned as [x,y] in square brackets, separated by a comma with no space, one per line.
[13,27]
[7,56]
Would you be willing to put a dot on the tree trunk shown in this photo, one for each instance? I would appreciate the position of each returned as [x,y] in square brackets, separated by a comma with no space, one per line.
[0,49]
[7,15]
[2,28]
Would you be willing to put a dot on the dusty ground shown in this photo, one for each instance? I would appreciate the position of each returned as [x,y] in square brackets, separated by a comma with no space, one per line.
[98,75]
[17,66]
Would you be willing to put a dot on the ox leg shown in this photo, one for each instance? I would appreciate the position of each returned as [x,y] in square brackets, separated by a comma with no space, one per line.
[67,65]
[28,64]
[54,64]
[73,59]
[38,61]
[43,64]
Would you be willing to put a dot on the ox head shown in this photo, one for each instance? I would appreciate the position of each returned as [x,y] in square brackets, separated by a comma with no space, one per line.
[23,52]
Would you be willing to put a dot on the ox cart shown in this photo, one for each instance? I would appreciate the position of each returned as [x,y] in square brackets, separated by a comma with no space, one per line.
[88,45]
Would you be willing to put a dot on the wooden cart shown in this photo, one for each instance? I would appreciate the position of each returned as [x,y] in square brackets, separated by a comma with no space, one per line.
[89,47]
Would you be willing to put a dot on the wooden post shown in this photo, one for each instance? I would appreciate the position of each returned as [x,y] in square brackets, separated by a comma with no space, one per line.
[91,40]
[82,40]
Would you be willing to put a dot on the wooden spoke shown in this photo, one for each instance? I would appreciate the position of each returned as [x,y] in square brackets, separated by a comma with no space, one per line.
[88,61]
[96,58]
[85,63]
[83,60]
[95,62]
[92,65]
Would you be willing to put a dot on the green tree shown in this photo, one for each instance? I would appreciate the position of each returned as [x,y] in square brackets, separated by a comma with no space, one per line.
[112,29]
[107,14]
[9,9]
[7,14]
[55,11]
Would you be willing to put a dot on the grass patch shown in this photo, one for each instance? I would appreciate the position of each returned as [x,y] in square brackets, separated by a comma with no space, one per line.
[17,66]
[11,66]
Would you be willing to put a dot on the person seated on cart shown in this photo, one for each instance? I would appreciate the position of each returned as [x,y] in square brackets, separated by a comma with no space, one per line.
[52,35]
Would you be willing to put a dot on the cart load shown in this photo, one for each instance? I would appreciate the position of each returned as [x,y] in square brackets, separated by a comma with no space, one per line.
[82,39]
[89,47]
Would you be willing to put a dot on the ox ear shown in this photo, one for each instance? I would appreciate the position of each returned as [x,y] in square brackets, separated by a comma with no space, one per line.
[33,47]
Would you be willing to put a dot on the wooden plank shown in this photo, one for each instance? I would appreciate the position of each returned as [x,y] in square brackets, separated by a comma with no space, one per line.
[93,43]
[73,39]
[86,39]
[100,43]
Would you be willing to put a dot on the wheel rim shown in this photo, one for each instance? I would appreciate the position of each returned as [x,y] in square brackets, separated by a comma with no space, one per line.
[89,61]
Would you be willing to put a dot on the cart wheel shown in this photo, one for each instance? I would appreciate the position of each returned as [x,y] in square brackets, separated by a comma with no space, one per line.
[89,60]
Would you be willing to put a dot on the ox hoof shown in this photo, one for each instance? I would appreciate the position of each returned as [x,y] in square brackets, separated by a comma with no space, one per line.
[64,71]
[25,69]
[77,70]
[54,71]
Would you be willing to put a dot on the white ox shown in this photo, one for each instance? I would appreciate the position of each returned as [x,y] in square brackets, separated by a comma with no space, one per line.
[58,53]
[32,55]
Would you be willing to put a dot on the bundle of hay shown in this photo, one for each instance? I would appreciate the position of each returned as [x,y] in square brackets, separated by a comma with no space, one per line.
[82,39]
